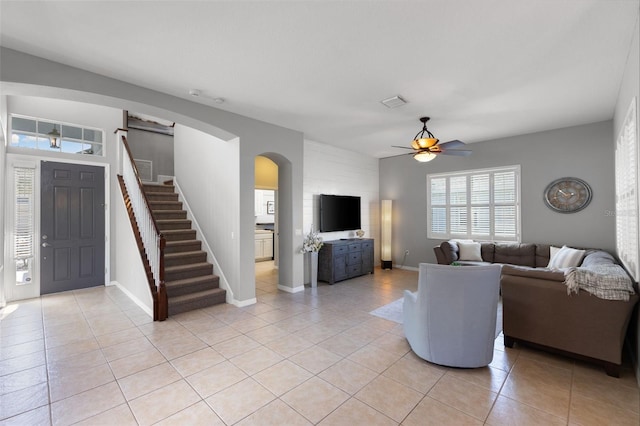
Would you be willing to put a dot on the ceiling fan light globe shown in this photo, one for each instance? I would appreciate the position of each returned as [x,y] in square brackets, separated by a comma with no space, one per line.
[431,142]
[424,156]
[415,144]
[422,143]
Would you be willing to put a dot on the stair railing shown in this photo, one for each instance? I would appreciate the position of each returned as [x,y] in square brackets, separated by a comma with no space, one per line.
[152,239]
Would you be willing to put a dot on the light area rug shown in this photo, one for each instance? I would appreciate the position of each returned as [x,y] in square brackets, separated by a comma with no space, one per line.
[393,312]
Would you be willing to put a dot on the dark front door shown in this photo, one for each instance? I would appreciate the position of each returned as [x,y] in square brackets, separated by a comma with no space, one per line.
[71,227]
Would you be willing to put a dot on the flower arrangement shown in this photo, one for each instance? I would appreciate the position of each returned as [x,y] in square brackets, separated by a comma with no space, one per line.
[312,242]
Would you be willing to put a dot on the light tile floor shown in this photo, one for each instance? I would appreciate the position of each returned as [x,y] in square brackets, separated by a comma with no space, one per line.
[316,357]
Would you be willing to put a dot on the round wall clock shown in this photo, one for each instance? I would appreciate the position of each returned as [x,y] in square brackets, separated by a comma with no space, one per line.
[567,195]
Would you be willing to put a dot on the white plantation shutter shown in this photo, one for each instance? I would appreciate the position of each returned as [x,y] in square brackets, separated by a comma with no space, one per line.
[24,179]
[477,204]
[505,220]
[480,204]
[439,191]
[627,233]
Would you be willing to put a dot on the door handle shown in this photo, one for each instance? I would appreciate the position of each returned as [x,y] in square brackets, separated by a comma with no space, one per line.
[45,244]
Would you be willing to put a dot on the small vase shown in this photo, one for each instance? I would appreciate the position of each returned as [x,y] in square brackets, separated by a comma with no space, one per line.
[313,269]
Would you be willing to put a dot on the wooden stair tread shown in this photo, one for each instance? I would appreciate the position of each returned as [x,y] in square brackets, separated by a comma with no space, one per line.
[165,205]
[193,280]
[187,267]
[168,221]
[200,295]
[157,185]
[183,254]
[179,243]
[178,231]
[182,242]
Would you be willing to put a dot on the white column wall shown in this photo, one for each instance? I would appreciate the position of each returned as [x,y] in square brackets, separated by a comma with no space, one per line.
[207,170]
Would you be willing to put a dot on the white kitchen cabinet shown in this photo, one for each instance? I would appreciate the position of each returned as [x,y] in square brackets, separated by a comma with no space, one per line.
[264,245]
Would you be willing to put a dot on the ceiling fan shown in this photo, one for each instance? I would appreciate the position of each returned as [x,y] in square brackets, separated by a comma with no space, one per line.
[426,147]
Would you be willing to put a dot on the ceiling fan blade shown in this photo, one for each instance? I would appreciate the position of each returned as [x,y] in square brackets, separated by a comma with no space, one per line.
[452,144]
[460,152]
[403,147]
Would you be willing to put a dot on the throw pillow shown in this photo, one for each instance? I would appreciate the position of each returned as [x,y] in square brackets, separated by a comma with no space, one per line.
[469,251]
[566,257]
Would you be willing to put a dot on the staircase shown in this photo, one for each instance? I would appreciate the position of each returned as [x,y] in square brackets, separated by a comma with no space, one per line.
[189,278]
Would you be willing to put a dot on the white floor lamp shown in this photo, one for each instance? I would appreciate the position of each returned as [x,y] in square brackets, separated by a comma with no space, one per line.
[385,234]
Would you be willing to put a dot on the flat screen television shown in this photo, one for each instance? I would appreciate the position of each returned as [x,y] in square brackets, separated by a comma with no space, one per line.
[339,213]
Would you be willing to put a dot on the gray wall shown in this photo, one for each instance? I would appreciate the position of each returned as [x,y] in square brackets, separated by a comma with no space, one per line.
[585,152]
[154,147]
[26,75]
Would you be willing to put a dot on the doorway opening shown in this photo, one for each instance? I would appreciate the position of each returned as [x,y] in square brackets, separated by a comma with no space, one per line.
[266,226]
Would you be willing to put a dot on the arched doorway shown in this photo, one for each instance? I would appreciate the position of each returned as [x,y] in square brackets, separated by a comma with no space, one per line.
[287,224]
[266,226]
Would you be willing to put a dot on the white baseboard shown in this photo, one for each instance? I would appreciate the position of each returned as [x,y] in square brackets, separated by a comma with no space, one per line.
[243,303]
[135,300]
[408,268]
[291,289]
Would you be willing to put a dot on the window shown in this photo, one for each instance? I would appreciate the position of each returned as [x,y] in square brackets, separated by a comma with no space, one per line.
[475,204]
[627,232]
[27,132]
[23,228]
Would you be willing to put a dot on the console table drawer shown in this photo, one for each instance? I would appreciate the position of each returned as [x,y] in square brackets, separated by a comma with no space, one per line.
[340,250]
[354,258]
[355,247]
[354,270]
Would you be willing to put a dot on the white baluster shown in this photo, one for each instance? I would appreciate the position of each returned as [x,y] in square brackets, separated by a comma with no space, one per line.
[144,217]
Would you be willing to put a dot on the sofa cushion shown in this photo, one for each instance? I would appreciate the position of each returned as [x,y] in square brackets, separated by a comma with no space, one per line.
[450,249]
[515,254]
[526,271]
[566,257]
[542,255]
[469,251]
[488,252]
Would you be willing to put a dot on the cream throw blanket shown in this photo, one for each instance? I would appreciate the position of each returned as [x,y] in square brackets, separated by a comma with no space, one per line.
[606,281]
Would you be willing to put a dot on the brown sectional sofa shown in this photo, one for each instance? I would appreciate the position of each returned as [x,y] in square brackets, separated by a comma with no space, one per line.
[538,310]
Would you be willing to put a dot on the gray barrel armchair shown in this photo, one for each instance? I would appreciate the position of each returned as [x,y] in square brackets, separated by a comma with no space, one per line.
[451,319]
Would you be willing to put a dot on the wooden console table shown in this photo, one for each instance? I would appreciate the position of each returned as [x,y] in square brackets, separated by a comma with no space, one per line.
[343,259]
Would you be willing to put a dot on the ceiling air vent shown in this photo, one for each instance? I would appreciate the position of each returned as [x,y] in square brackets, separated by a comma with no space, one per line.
[393,102]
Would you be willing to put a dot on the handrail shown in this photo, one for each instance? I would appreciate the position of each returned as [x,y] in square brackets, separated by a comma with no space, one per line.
[153,241]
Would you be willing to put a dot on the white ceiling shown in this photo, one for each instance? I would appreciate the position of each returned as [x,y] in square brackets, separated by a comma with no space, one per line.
[482,69]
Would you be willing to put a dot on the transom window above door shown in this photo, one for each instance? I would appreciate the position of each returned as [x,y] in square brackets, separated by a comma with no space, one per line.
[52,136]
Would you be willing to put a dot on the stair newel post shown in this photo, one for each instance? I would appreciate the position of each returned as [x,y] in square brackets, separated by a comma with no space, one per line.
[162,291]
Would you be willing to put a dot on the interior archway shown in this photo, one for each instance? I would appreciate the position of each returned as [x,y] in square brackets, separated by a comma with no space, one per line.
[283,215]
[266,209]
